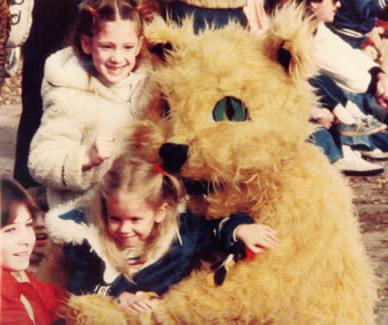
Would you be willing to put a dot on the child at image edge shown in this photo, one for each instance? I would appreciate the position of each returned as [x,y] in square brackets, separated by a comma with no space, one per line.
[24,299]
[134,235]
[91,91]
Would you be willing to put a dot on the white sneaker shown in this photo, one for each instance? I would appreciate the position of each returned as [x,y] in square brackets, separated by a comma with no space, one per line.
[353,165]
[21,21]
[376,154]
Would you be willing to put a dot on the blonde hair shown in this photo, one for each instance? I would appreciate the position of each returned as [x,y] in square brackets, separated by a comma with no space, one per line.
[129,175]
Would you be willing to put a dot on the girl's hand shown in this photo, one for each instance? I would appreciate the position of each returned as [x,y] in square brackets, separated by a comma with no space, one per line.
[139,302]
[100,150]
[257,237]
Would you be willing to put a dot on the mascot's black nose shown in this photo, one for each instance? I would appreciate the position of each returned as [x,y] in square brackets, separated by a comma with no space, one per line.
[173,156]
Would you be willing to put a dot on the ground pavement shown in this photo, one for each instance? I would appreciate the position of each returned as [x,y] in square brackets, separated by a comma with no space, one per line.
[370,193]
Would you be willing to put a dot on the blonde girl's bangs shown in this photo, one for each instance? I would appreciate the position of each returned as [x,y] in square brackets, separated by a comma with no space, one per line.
[129,175]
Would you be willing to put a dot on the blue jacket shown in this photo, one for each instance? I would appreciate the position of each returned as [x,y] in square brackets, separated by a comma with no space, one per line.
[356,18]
[198,237]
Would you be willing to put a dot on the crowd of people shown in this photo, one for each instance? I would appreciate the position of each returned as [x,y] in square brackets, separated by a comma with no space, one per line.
[85,78]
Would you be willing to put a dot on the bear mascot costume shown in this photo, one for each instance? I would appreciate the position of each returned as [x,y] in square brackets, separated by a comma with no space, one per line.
[235,128]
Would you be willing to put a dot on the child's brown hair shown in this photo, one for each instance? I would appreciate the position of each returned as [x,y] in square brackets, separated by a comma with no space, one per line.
[93,12]
[12,194]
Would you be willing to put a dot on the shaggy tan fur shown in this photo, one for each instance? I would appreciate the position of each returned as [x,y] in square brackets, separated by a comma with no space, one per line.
[319,273]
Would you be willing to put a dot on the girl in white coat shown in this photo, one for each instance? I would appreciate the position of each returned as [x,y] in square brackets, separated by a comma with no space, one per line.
[90,92]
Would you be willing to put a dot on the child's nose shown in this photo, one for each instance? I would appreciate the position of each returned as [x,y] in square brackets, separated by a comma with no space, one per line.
[25,239]
[117,56]
[126,228]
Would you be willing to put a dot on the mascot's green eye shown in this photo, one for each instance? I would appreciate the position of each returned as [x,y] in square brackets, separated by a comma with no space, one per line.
[231,109]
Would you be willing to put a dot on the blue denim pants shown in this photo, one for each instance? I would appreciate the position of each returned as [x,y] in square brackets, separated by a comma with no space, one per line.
[329,143]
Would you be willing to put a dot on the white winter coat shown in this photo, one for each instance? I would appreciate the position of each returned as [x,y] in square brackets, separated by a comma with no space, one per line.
[77,107]
[347,66]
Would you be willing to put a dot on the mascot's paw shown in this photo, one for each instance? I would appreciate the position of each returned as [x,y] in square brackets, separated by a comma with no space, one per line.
[94,309]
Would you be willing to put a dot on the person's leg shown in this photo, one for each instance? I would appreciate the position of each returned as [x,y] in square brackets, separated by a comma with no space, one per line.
[325,140]
[216,18]
[380,140]
[372,107]
[343,157]
[368,105]
[51,23]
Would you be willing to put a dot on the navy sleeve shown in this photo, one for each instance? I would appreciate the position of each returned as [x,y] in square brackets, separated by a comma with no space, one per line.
[159,276]
[214,235]
[328,93]
[84,270]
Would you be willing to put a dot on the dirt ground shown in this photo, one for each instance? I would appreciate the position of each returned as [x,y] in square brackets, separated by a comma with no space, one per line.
[370,193]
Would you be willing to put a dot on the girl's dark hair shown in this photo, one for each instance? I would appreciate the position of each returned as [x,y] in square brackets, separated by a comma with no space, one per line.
[13,193]
[93,12]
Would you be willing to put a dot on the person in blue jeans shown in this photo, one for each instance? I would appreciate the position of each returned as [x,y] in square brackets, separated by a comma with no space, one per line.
[333,102]
[352,22]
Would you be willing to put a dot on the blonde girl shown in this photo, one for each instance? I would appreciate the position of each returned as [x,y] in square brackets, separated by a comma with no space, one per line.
[136,236]
[91,91]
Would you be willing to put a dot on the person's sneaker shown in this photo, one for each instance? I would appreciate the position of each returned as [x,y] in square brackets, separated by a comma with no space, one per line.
[376,154]
[359,167]
[365,126]
[353,165]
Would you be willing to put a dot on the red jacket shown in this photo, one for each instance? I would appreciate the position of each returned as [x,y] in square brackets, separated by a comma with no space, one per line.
[43,298]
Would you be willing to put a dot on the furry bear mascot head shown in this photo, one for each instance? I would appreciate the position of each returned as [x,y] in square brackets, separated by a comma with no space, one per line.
[235,128]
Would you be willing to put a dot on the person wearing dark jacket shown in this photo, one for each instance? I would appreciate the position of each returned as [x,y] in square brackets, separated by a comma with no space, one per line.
[133,235]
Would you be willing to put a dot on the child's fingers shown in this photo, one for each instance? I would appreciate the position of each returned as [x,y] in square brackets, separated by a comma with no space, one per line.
[266,242]
[255,249]
[141,307]
[268,233]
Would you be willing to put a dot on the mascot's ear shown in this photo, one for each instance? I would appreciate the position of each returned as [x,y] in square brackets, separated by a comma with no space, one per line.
[289,41]
[163,37]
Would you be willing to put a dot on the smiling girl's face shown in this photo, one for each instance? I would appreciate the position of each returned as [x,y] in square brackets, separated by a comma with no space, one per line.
[17,239]
[131,219]
[114,49]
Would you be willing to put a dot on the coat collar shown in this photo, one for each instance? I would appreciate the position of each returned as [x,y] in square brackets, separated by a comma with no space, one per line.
[65,69]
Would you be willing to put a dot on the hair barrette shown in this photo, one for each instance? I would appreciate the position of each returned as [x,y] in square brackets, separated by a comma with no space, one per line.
[159,169]
[92,11]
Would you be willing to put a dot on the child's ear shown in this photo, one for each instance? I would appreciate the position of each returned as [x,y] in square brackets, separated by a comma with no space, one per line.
[86,43]
[161,214]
